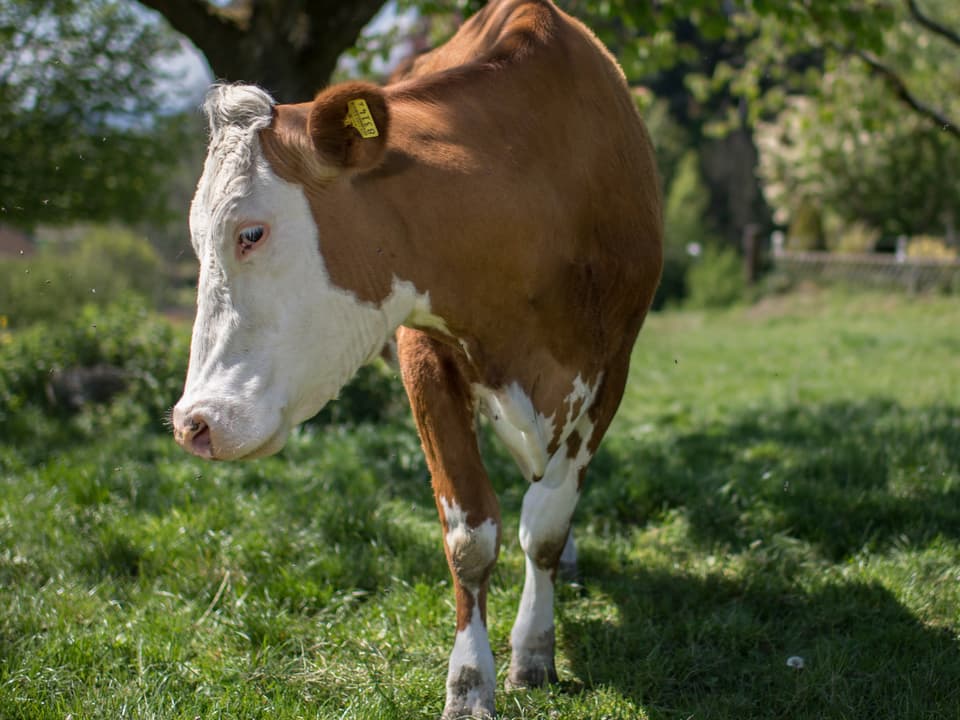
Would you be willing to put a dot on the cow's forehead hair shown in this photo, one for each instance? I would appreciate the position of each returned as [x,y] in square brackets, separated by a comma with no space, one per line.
[245,107]
[235,113]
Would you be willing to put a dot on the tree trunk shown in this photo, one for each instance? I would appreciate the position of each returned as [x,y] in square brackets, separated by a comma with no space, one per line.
[288,47]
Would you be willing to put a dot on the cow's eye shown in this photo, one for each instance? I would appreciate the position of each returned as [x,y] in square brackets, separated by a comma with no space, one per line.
[248,238]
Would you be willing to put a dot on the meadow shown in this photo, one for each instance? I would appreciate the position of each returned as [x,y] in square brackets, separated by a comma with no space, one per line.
[782,482]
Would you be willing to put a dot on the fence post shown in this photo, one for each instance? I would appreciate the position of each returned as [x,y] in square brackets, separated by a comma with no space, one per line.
[751,253]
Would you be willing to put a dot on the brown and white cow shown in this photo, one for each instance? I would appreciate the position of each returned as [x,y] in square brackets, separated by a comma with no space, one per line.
[497,207]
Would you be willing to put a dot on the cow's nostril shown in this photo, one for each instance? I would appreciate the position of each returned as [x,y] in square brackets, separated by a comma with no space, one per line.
[193,434]
[200,442]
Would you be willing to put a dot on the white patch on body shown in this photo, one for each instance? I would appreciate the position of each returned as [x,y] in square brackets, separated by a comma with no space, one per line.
[274,339]
[524,431]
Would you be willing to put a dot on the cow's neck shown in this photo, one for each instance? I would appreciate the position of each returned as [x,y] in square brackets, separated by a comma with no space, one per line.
[379,236]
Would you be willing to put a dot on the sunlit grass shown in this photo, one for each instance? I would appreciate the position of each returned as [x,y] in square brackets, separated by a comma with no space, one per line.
[783,480]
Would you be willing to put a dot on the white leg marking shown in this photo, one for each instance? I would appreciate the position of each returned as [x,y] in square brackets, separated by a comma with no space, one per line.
[548,507]
[471,678]
[532,633]
[471,549]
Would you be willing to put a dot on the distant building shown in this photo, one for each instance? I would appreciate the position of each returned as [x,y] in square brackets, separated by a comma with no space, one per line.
[14,242]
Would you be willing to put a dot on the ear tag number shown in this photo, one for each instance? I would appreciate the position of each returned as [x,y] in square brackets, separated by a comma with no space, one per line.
[358,115]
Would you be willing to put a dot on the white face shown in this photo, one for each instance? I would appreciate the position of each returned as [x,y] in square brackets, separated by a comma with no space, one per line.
[273,340]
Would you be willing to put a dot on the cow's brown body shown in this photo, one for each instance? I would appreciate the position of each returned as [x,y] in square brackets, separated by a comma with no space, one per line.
[513,185]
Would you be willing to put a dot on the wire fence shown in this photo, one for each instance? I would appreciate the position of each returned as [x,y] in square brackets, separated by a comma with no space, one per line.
[879,270]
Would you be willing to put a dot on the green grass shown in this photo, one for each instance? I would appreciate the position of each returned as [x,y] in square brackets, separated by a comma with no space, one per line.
[782,480]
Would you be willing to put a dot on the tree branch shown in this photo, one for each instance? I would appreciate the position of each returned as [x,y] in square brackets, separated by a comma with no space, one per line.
[932,25]
[288,47]
[900,89]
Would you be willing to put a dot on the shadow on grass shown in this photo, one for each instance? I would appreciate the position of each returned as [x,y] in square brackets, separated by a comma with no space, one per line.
[710,647]
[842,476]
[828,482]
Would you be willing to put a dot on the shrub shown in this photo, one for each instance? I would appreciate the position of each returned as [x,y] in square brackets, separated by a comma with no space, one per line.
[673,280]
[806,228]
[149,351]
[684,225]
[928,247]
[716,279]
[99,269]
[126,341]
[856,239]
[374,395]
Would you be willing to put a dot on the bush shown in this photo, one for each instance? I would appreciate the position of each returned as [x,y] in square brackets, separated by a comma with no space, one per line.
[104,266]
[126,341]
[673,280]
[150,353]
[716,279]
[374,395]
[932,248]
[856,239]
[806,228]
[685,225]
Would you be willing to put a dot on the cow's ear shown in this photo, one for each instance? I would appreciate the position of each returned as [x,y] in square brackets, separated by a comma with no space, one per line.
[348,125]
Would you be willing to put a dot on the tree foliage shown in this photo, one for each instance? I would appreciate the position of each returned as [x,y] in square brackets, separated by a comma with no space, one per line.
[861,154]
[759,51]
[80,134]
[79,120]
[859,157]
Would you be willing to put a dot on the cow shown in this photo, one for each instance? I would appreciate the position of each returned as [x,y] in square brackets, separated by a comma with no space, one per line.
[496,209]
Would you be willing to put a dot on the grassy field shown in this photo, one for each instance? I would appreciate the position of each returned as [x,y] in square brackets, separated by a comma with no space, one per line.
[783,480]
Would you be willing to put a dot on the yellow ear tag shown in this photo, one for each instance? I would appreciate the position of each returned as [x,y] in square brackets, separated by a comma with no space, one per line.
[358,115]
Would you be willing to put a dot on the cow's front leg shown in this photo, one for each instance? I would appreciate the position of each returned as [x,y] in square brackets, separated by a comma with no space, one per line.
[443,409]
[471,552]
[548,506]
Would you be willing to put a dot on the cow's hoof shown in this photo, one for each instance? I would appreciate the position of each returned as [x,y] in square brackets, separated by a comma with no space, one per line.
[459,711]
[465,713]
[531,671]
[469,696]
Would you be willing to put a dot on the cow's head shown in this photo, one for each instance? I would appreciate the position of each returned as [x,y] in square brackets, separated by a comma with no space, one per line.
[274,339]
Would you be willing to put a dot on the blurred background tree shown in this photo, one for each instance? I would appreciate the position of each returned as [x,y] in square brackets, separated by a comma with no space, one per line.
[83,132]
[857,149]
[289,47]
